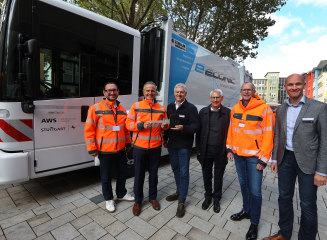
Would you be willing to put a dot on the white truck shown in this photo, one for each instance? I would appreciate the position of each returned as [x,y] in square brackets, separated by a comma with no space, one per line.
[54,60]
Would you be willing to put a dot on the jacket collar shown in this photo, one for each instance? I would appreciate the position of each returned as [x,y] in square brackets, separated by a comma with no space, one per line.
[207,109]
[110,104]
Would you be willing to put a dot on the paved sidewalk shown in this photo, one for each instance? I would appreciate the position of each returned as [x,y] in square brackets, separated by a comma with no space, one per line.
[59,207]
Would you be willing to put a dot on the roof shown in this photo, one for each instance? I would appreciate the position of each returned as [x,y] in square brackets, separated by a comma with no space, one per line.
[322,64]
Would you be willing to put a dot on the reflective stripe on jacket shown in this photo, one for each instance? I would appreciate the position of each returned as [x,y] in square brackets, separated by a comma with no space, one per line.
[140,113]
[251,129]
[103,118]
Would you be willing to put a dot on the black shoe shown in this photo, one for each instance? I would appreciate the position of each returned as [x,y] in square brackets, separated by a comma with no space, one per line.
[206,204]
[216,207]
[173,197]
[180,209]
[240,216]
[252,233]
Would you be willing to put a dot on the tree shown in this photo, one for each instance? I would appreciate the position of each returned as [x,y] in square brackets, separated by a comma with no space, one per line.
[230,28]
[133,13]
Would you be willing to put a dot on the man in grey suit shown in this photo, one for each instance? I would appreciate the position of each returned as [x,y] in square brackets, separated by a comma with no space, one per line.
[300,150]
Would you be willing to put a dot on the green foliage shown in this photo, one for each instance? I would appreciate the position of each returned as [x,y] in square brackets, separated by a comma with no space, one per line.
[231,28]
[133,13]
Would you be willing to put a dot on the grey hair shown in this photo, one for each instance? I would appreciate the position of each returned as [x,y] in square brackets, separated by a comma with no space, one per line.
[180,85]
[217,91]
[250,83]
[150,83]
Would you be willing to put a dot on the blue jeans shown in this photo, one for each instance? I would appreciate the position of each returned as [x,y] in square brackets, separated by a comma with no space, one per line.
[120,161]
[250,180]
[287,172]
[180,164]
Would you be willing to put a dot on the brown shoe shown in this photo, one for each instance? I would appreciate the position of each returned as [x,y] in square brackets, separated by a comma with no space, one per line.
[136,209]
[275,237]
[155,204]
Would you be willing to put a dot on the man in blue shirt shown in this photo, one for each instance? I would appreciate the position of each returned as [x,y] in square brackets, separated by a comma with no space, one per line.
[300,151]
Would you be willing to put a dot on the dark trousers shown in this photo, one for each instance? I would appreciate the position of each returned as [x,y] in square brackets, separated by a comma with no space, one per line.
[146,158]
[120,161]
[213,156]
[288,170]
[180,164]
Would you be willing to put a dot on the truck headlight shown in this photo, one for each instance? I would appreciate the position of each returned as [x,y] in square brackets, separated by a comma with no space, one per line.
[4,113]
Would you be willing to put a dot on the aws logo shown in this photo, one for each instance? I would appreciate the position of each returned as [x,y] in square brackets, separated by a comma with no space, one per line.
[49,120]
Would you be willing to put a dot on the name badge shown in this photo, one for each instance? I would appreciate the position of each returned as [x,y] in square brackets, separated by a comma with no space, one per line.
[308,119]
[116,128]
[241,125]
[182,116]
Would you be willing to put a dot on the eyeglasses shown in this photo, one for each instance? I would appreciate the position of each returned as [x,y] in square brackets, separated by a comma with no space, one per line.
[214,98]
[247,90]
[111,90]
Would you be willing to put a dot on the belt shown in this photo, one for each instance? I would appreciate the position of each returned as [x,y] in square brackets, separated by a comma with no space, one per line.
[286,150]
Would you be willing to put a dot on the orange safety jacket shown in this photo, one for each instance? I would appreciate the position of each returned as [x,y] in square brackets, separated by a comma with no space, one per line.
[141,112]
[105,130]
[251,130]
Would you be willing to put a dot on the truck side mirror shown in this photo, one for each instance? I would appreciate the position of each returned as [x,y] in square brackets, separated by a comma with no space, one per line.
[29,76]
[31,46]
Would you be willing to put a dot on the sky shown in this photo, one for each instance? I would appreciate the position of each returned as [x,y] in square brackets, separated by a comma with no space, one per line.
[296,43]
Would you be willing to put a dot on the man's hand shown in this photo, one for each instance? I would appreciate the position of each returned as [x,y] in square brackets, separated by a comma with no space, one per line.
[260,167]
[94,154]
[164,125]
[178,128]
[319,180]
[230,156]
[147,125]
[128,149]
[274,167]
[165,144]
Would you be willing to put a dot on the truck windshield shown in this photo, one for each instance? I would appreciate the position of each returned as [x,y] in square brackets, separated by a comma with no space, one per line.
[9,85]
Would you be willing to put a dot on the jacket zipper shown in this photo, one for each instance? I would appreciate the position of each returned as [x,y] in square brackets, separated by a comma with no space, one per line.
[116,131]
[151,126]
[101,143]
[256,142]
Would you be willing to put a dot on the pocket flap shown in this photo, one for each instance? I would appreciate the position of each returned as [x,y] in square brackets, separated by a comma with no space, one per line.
[314,147]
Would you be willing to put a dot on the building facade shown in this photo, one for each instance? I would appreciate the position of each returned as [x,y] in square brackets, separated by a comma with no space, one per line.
[261,88]
[282,94]
[320,78]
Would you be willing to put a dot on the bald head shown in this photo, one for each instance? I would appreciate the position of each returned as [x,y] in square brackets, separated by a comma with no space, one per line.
[295,76]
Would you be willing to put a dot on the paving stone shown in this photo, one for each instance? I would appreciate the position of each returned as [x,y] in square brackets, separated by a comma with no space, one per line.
[47,236]
[43,197]
[102,217]
[81,202]
[16,210]
[66,200]
[92,231]
[129,234]
[147,215]
[179,226]
[20,231]
[179,237]
[164,233]
[42,209]
[53,224]
[141,227]
[33,187]
[107,237]
[1,233]
[33,222]
[198,212]
[80,237]
[66,232]
[116,228]
[199,223]
[196,234]
[239,228]
[264,229]
[89,193]
[81,221]
[16,219]
[5,203]
[220,233]
[218,221]
[24,201]
[84,209]
[163,205]
[3,193]
[122,206]
[5,186]
[234,236]
[61,210]
[162,218]
[125,215]
[15,189]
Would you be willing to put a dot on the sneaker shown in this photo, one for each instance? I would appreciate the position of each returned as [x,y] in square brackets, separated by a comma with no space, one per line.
[110,206]
[173,197]
[127,198]
[180,209]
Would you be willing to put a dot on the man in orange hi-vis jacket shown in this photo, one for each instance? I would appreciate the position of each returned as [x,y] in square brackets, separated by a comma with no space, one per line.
[250,141]
[107,137]
[145,120]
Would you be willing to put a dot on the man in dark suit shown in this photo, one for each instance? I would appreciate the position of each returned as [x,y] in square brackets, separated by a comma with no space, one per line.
[211,147]
[300,150]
